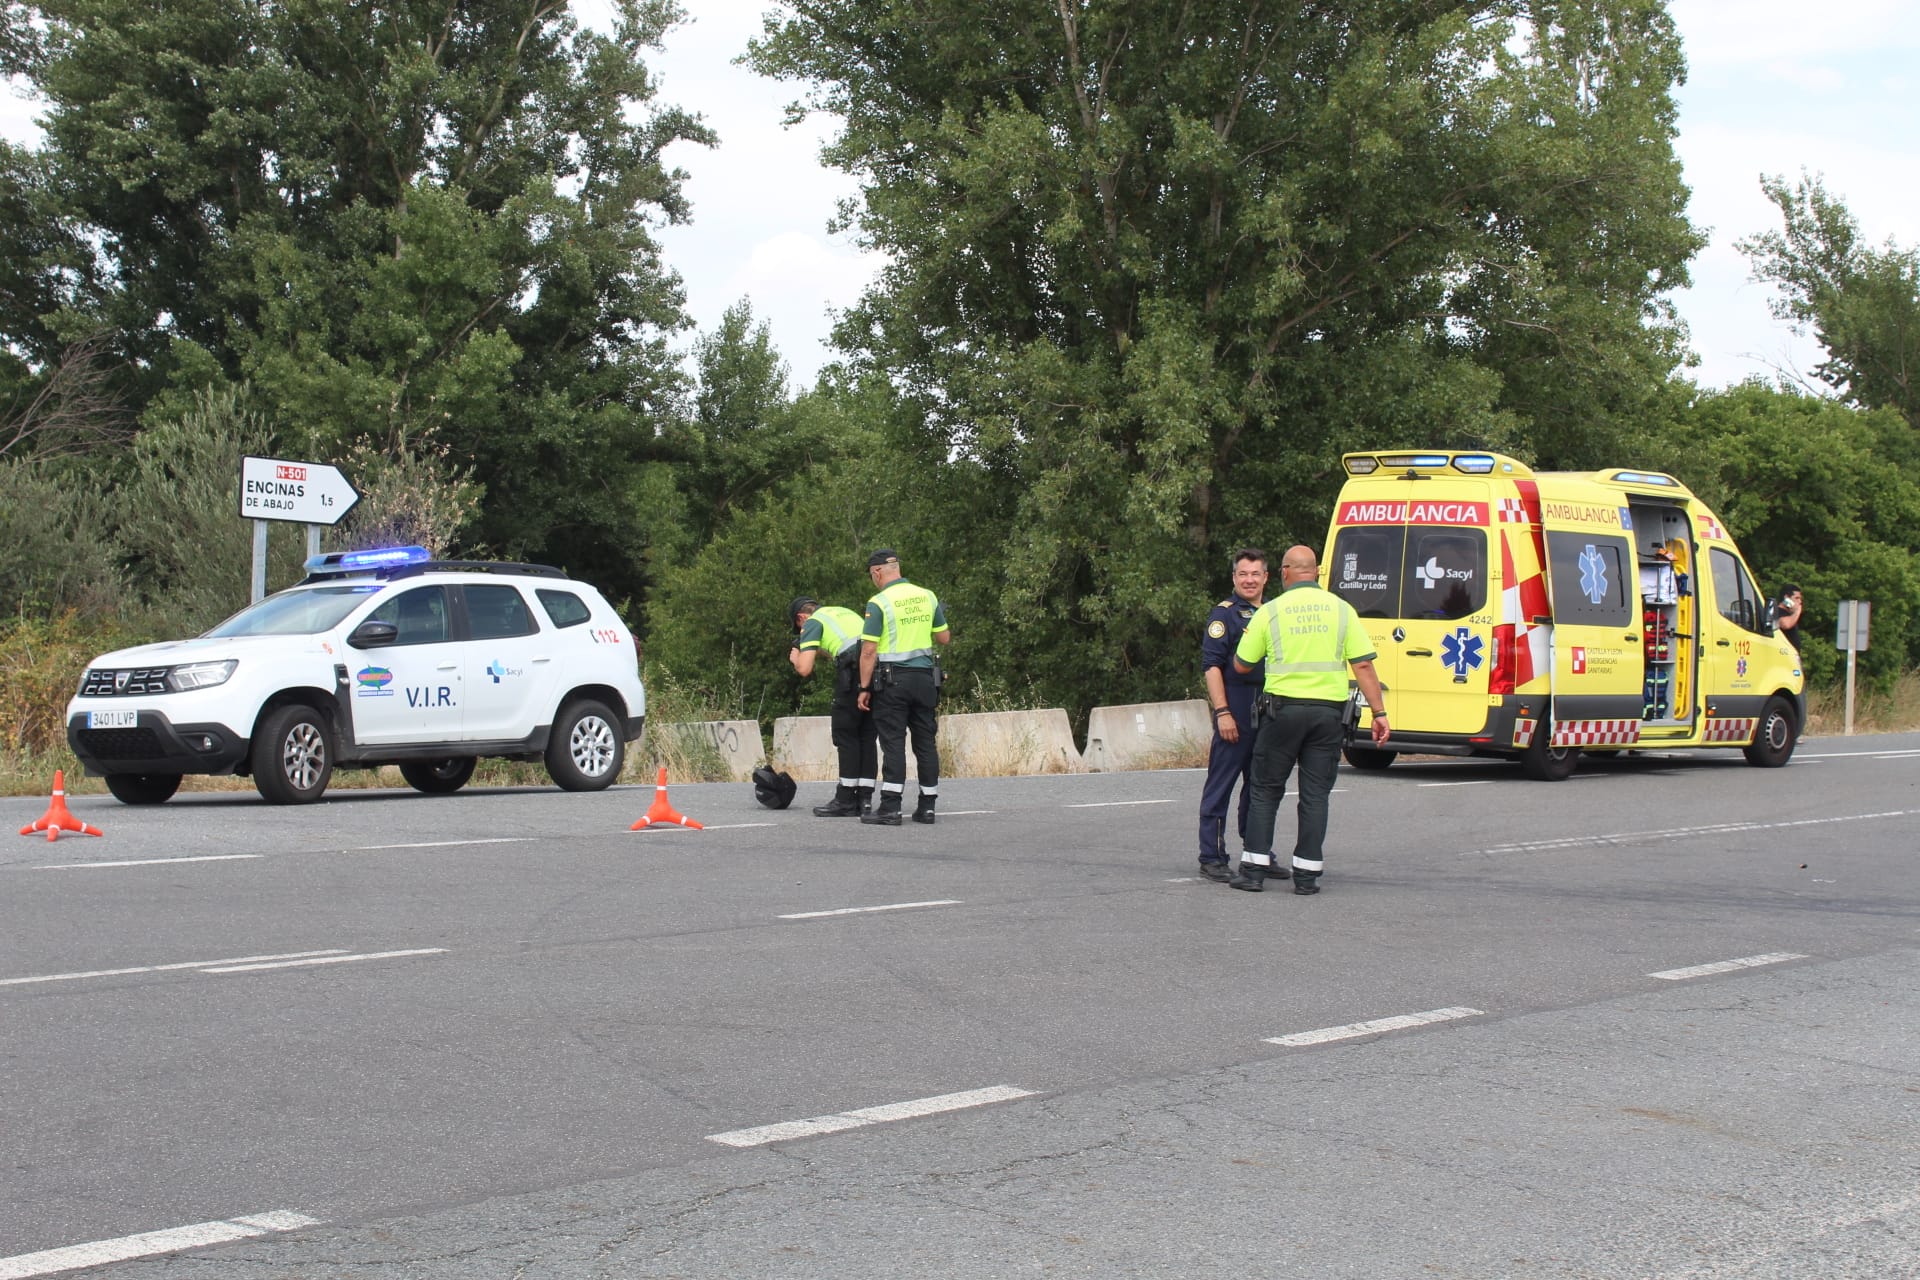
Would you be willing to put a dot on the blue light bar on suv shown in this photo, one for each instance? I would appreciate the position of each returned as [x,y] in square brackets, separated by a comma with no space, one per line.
[378,558]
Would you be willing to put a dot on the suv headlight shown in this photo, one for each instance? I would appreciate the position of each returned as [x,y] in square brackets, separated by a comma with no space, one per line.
[200,675]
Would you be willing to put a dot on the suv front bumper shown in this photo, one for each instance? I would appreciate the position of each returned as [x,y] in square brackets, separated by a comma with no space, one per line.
[155,745]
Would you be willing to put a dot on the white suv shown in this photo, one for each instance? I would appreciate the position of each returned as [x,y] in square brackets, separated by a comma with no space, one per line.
[376,657]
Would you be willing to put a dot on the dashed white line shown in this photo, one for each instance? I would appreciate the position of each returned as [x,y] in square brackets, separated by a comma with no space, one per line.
[146,862]
[965,813]
[163,968]
[766,1133]
[1726,966]
[1353,1029]
[443,844]
[724,826]
[335,959]
[1682,833]
[1114,804]
[854,911]
[1472,782]
[150,1243]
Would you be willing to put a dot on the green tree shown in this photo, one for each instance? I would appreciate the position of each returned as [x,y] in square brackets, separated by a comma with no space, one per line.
[1154,267]
[1821,495]
[1861,303]
[407,225]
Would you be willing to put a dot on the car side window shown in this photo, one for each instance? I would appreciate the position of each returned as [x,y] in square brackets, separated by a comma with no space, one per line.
[1734,594]
[1591,578]
[565,608]
[420,615]
[495,612]
[1446,573]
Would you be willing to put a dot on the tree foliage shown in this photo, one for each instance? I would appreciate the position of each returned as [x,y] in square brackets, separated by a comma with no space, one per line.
[1153,267]
[1861,303]
[406,225]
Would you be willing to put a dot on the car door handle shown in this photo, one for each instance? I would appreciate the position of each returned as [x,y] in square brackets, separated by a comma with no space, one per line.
[543,659]
[1632,638]
[1724,643]
[1419,653]
[448,666]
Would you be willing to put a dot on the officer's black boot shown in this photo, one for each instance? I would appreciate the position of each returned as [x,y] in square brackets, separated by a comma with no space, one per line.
[1249,877]
[1306,882]
[845,804]
[924,811]
[865,795]
[888,814]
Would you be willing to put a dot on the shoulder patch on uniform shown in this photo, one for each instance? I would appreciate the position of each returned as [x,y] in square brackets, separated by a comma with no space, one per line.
[1225,604]
[1216,628]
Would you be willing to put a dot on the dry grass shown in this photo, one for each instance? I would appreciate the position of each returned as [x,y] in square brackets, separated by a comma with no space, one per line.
[1895,711]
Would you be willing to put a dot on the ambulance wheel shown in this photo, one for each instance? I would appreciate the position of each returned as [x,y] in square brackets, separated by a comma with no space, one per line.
[1544,763]
[1371,759]
[1774,739]
[586,750]
[293,755]
[438,777]
[143,788]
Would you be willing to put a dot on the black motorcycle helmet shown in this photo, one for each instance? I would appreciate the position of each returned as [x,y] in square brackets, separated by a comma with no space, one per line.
[774,790]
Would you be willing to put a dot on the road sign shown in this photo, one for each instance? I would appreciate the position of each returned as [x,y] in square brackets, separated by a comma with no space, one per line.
[303,492]
[1855,615]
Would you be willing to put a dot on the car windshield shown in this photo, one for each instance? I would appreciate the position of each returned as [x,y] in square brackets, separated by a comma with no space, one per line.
[298,613]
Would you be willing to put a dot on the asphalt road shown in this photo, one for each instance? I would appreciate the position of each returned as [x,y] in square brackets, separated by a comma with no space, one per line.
[499,1034]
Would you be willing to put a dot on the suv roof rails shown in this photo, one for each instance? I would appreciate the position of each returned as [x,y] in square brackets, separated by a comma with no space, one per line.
[388,573]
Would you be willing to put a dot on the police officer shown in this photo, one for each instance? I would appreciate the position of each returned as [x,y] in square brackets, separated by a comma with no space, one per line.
[899,682]
[1230,698]
[1307,637]
[836,631]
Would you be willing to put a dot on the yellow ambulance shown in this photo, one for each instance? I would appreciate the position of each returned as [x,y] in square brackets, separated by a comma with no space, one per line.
[1539,615]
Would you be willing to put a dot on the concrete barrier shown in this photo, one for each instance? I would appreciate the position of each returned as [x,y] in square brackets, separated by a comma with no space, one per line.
[976,744]
[735,743]
[803,747]
[989,743]
[1149,735]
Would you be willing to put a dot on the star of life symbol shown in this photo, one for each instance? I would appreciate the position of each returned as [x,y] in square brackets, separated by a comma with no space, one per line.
[1462,651]
[1593,574]
[1740,667]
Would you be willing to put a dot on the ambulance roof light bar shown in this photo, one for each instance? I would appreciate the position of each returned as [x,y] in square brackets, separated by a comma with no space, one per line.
[1474,464]
[1646,477]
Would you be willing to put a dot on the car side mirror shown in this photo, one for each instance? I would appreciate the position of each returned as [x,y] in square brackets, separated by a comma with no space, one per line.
[373,635]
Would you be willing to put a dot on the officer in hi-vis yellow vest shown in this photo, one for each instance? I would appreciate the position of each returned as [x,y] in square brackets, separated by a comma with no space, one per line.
[1308,637]
[835,631]
[900,683]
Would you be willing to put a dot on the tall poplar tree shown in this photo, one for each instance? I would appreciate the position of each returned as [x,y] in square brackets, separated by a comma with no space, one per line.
[1154,266]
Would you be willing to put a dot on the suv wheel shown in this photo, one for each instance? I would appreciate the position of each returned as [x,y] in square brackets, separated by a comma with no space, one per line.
[143,788]
[586,750]
[292,755]
[438,777]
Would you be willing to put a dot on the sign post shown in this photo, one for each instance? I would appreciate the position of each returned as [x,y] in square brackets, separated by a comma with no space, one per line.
[1852,637]
[309,493]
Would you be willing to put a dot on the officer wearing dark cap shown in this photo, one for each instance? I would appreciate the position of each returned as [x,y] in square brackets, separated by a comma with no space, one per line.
[1230,699]
[835,631]
[900,683]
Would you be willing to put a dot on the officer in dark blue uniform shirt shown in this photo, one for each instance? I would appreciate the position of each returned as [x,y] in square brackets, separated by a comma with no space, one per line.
[1230,697]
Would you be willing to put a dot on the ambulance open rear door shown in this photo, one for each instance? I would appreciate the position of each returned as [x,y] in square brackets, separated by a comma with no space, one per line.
[1592,581]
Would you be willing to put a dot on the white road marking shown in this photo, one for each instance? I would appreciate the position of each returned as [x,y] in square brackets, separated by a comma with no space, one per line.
[334,959]
[854,911]
[1890,753]
[766,1133]
[724,826]
[1114,804]
[150,1243]
[966,813]
[146,862]
[443,844]
[1682,833]
[1353,1029]
[1472,782]
[162,968]
[1727,966]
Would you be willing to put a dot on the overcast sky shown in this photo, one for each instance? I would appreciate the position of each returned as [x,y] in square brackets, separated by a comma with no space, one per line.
[1776,86]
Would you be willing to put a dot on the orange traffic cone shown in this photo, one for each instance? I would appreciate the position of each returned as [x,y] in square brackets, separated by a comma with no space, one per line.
[662,812]
[58,817]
